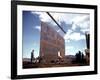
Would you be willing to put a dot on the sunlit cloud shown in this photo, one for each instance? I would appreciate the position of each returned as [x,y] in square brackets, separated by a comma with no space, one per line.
[81,22]
[74,36]
[42,15]
[37,27]
[80,18]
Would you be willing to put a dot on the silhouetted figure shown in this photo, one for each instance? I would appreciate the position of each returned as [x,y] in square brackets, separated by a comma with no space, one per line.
[76,56]
[82,58]
[32,55]
[79,57]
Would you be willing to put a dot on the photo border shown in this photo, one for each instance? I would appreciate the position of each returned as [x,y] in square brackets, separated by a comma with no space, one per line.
[14,51]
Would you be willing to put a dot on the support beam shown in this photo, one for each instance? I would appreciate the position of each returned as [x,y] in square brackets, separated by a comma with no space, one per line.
[56,22]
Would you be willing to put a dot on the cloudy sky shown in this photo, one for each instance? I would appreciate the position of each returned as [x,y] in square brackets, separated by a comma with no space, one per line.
[74,24]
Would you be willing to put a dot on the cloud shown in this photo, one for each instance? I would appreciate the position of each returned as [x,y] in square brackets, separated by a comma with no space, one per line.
[38,28]
[80,18]
[83,25]
[59,17]
[68,50]
[73,36]
[85,30]
[67,34]
[62,17]
[69,47]
[43,16]
[81,22]
[76,36]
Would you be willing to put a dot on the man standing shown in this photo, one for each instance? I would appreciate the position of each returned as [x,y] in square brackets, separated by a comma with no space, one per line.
[32,55]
